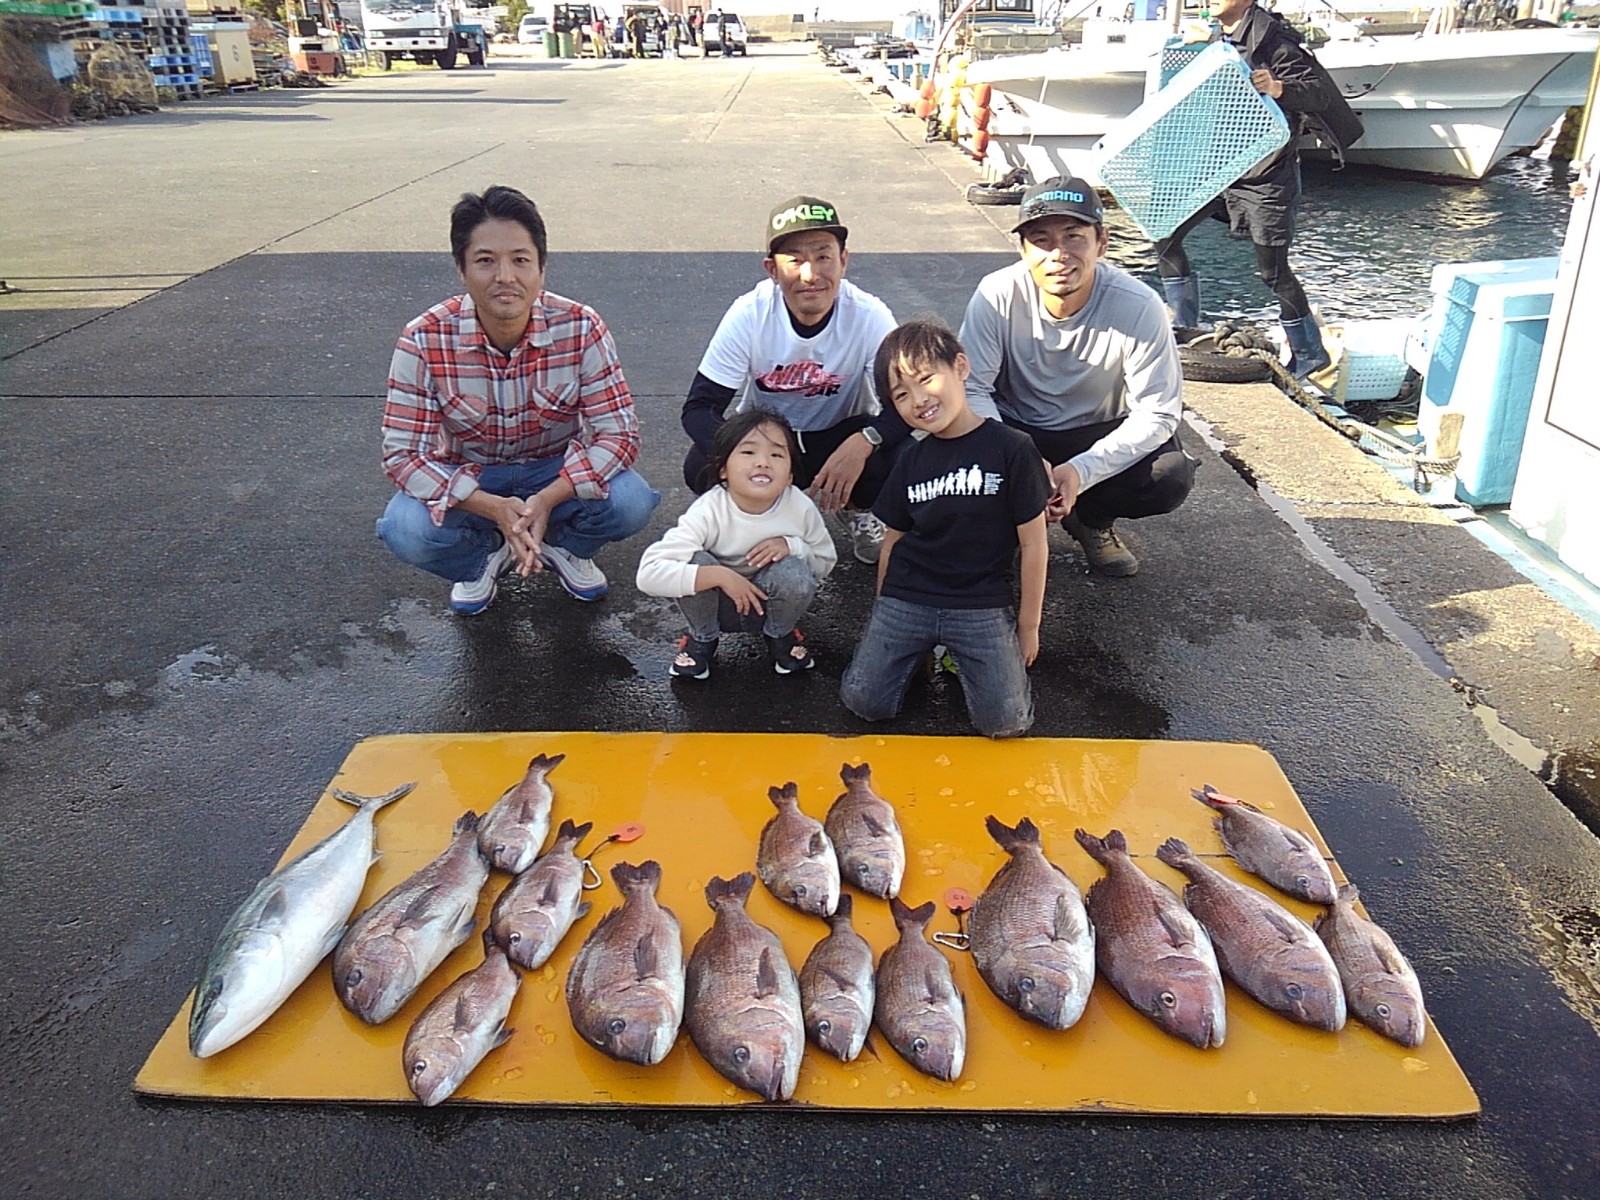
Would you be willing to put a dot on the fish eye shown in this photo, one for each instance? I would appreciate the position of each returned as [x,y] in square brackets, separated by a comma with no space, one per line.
[418,1067]
[514,937]
[1025,984]
[616,1026]
[824,1026]
[919,1045]
[741,1054]
[1302,881]
[1294,991]
[1168,1000]
[799,889]
[354,978]
[1383,1011]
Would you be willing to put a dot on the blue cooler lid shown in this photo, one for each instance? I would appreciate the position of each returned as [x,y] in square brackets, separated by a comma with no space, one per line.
[1523,291]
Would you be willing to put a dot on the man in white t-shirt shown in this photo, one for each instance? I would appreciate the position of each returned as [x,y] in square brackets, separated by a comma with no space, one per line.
[1079,355]
[801,344]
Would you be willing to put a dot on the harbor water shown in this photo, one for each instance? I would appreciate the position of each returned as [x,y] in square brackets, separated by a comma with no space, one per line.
[1368,239]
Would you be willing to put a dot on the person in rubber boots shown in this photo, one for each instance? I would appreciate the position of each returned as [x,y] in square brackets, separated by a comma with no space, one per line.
[1263,203]
[801,344]
[1079,355]
[509,430]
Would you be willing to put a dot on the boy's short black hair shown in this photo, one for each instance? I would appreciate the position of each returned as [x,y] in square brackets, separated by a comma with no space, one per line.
[734,430]
[498,203]
[922,342]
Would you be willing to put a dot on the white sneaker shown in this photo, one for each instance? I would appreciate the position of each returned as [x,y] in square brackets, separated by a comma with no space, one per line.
[866,536]
[472,596]
[579,576]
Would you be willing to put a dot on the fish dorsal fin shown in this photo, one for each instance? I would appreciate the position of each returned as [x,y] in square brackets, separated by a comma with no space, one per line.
[1288,928]
[818,845]
[417,912]
[873,826]
[501,1036]
[1068,920]
[1390,957]
[766,975]
[1176,934]
[645,960]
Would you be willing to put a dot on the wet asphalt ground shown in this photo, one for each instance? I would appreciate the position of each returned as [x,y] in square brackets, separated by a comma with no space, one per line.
[199,624]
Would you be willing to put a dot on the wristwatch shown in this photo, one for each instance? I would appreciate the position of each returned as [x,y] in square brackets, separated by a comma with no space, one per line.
[874,438]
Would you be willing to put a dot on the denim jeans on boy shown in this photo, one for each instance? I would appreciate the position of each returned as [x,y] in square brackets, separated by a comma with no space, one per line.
[789,584]
[983,642]
[459,548]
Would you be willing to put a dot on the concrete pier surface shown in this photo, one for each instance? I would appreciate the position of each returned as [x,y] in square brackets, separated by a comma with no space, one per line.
[199,623]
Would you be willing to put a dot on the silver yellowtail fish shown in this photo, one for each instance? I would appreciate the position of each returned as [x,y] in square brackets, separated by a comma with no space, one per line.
[866,835]
[1031,939]
[539,906]
[918,1006]
[625,989]
[514,829]
[460,1026]
[1269,849]
[1384,992]
[837,988]
[1151,948]
[283,930]
[796,859]
[743,1001]
[1265,949]
[397,943]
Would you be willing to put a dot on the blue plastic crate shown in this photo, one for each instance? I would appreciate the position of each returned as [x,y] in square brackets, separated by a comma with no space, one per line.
[1178,150]
[201,50]
[1175,56]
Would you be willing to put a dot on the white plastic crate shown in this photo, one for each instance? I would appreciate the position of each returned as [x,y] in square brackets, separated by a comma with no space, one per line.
[1373,363]
[1178,150]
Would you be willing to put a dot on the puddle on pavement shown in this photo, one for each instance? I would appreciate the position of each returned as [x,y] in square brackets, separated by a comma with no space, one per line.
[1572,777]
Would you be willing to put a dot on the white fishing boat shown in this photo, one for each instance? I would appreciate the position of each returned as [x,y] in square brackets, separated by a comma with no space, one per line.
[1439,103]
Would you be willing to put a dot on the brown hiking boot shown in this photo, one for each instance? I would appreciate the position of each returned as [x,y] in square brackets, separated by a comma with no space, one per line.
[1106,552]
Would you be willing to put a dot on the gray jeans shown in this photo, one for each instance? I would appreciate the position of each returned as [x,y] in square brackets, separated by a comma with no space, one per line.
[790,587]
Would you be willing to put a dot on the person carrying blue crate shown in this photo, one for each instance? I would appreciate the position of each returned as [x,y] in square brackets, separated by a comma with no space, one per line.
[1263,203]
[1079,355]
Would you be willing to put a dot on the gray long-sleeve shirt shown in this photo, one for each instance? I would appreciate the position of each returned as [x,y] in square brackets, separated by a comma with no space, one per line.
[1113,358]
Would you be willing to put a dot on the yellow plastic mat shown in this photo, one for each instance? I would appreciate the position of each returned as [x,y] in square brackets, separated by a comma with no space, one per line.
[703,800]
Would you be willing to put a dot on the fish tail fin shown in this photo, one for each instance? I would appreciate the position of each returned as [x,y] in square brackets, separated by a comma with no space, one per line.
[841,913]
[490,944]
[646,877]
[1348,893]
[861,774]
[467,822]
[719,891]
[373,803]
[570,832]
[1175,853]
[1011,840]
[1102,850]
[788,794]
[546,762]
[906,917]
[1211,798]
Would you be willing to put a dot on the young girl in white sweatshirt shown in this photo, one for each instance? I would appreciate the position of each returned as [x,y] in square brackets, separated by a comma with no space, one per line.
[747,556]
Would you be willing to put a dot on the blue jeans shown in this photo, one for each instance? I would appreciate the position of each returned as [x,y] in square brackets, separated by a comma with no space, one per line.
[983,642]
[789,584]
[459,549]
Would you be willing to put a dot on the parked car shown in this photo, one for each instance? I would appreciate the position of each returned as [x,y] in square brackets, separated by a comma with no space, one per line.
[737,38]
[533,29]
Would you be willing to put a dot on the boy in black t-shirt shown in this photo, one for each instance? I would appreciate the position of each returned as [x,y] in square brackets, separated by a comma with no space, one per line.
[957,505]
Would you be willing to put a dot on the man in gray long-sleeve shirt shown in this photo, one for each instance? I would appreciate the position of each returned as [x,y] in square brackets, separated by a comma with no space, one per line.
[1079,355]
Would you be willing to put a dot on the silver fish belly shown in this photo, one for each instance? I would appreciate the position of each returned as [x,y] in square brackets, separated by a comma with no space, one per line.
[866,835]
[540,905]
[743,1001]
[460,1026]
[1030,936]
[625,989]
[918,1006]
[283,930]
[837,988]
[795,860]
[512,832]
[397,943]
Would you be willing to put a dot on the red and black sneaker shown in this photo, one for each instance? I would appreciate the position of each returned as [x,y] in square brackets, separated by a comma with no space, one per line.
[789,653]
[694,658]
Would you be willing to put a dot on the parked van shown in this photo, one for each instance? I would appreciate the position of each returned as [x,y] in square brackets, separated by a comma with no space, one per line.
[737,38]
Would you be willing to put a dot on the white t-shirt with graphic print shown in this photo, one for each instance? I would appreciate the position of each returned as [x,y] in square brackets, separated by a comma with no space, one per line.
[814,382]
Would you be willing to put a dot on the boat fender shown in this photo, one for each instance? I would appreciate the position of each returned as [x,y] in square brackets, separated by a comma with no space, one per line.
[981,118]
[981,94]
[980,142]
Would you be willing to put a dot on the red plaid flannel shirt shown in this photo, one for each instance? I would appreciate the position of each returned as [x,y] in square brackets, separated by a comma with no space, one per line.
[457,403]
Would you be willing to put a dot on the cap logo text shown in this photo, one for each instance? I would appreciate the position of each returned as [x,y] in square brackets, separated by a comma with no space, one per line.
[803,212]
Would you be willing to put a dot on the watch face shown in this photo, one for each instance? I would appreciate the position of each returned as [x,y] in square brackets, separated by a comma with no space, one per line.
[872,435]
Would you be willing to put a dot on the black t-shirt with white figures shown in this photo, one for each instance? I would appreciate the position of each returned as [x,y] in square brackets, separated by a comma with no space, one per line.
[958,502]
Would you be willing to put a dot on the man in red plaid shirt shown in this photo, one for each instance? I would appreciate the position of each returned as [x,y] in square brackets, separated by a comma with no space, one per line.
[509,429]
